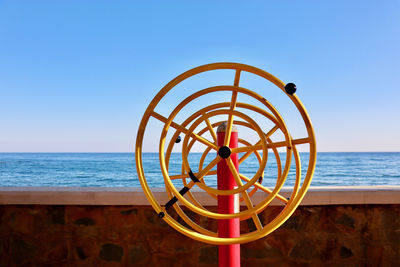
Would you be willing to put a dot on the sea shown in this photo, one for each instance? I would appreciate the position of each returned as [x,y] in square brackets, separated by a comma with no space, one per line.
[119,170]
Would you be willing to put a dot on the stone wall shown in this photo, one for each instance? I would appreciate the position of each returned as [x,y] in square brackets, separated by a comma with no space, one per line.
[77,235]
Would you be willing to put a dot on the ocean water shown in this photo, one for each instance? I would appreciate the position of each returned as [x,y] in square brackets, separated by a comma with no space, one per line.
[118,169]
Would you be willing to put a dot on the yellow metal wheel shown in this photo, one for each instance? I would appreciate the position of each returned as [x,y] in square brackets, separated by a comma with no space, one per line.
[196,127]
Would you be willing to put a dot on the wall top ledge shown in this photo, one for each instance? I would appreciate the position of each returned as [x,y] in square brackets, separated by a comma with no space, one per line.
[327,195]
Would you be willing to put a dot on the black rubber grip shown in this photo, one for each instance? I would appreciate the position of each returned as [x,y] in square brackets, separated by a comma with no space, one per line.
[193,177]
[184,190]
[173,200]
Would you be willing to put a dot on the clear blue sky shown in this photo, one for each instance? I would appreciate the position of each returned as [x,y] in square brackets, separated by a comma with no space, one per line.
[78,75]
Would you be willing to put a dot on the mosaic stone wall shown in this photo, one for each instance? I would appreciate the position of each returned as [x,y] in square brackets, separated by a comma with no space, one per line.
[354,235]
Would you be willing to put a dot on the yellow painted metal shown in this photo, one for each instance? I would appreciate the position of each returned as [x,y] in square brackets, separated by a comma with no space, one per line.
[240,188]
[265,143]
[209,126]
[202,112]
[240,141]
[278,121]
[208,90]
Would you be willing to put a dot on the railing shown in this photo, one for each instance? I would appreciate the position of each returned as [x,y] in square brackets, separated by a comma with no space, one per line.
[330,195]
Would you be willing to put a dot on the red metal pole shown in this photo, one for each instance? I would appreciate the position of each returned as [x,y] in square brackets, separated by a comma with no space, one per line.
[229,255]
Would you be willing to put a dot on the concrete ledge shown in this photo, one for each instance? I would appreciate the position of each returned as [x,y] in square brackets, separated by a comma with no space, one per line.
[135,196]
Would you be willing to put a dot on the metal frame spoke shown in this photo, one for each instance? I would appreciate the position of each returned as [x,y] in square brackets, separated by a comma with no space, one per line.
[263,188]
[267,135]
[246,149]
[186,175]
[301,141]
[246,196]
[237,77]
[184,130]
[298,141]
[204,172]
[270,145]
[230,119]
[211,129]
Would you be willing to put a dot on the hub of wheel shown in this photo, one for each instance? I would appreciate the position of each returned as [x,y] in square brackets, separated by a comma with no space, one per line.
[224,152]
